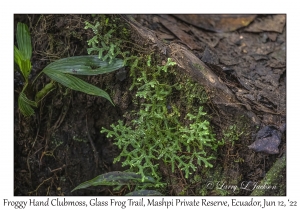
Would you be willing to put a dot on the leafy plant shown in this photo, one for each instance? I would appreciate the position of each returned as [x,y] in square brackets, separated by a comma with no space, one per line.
[22,53]
[118,178]
[144,193]
[103,41]
[60,71]
[232,134]
[22,56]
[157,133]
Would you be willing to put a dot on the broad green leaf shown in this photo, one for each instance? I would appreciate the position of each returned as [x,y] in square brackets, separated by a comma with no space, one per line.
[24,40]
[18,57]
[114,178]
[25,105]
[75,83]
[144,193]
[22,54]
[83,65]
[24,65]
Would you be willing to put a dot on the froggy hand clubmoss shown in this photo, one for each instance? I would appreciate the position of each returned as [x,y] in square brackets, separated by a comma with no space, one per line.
[157,133]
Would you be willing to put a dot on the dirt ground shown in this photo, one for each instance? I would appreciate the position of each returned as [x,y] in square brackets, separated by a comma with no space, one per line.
[52,151]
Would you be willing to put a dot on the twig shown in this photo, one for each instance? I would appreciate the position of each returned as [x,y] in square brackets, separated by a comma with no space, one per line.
[92,145]
[60,168]
[35,191]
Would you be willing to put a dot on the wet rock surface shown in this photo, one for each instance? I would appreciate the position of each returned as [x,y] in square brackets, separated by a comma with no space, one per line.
[268,139]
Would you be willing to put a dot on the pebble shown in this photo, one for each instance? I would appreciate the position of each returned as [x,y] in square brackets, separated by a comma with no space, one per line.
[267,140]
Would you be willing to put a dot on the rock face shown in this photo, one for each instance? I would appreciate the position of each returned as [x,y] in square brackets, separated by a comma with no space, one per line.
[267,140]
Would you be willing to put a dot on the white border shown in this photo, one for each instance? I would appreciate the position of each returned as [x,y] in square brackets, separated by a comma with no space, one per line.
[89,7]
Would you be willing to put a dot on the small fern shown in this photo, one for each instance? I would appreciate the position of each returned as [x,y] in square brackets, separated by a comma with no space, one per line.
[157,133]
[104,43]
